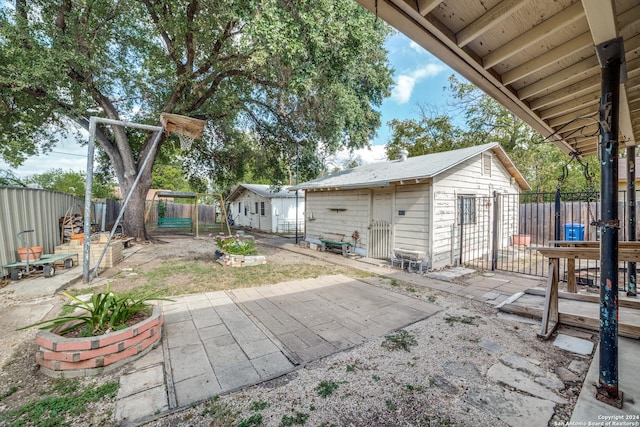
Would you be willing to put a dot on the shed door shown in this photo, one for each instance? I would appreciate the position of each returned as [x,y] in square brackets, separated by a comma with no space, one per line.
[380,227]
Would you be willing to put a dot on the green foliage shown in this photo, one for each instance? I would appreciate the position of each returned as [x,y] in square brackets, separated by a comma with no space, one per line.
[254,420]
[465,320]
[221,413]
[299,419]
[9,179]
[401,340]
[59,408]
[233,245]
[484,120]
[258,405]
[266,76]
[391,405]
[326,388]
[105,311]
[9,392]
[71,182]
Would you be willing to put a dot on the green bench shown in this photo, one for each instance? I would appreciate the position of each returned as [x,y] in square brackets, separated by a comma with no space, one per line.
[342,248]
[175,223]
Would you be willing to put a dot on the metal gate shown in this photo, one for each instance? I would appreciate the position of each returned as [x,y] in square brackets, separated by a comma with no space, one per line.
[379,240]
[504,231]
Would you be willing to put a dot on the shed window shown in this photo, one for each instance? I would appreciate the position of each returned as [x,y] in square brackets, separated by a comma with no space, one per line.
[262,208]
[239,207]
[467,209]
[256,211]
[246,211]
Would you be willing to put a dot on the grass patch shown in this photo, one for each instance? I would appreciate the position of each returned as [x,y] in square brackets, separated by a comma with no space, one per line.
[299,419]
[180,277]
[57,410]
[326,388]
[432,298]
[401,340]
[222,415]
[411,289]
[257,405]
[391,405]
[465,320]
[9,392]
[253,421]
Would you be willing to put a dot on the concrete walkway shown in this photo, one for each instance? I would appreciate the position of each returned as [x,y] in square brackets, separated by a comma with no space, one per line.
[221,341]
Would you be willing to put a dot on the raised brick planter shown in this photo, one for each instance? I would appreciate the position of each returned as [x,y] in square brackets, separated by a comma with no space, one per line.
[73,357]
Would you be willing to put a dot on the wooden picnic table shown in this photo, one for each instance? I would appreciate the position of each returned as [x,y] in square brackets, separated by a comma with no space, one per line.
[572,250]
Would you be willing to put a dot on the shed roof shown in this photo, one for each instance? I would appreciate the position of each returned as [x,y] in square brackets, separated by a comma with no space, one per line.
[263,190]
[414,168]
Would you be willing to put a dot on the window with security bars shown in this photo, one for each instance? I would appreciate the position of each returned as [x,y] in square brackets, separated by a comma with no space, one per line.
[467,209]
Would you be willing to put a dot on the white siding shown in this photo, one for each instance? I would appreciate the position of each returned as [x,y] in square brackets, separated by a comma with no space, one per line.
[284,211]
[412,229]
[326,219]
[469,178]
[248,216]
[337,214]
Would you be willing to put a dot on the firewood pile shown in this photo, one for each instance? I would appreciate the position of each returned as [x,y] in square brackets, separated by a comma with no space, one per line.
[70,225]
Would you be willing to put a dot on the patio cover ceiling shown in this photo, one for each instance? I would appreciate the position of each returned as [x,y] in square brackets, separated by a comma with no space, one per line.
[535,57]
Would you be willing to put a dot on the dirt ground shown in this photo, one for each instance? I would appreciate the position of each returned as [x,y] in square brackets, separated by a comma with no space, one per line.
[433,383]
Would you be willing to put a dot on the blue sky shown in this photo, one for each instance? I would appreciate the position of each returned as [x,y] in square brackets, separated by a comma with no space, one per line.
[419,78]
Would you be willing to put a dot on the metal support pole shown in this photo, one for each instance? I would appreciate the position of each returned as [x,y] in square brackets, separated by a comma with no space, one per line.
[89,182]
[494,242]
[610,55]
[297,155]
[86,250]
[556,216]
[631,214]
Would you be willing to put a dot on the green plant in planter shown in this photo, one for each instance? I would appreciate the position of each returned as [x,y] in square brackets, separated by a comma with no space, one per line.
[104,312]
[234,246]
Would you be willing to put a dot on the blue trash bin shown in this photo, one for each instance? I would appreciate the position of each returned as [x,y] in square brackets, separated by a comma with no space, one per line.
[573,231]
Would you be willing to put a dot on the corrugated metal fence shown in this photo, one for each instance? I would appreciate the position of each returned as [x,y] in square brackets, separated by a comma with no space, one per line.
[32,209]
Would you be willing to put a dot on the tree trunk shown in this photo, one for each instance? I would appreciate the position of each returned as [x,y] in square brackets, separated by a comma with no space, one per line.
[133,219]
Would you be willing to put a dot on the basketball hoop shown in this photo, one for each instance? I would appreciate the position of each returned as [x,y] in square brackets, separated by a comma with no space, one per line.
[188,129]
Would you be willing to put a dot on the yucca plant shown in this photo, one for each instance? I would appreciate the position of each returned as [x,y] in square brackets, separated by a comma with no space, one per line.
[103,312]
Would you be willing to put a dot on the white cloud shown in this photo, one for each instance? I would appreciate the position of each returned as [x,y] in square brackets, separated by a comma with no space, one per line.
[405,83]
[415,46]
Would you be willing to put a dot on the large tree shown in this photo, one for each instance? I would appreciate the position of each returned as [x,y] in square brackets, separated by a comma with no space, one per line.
[474,118]
[280,73]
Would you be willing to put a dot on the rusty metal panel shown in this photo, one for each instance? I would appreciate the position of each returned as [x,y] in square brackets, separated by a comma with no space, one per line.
[36,209]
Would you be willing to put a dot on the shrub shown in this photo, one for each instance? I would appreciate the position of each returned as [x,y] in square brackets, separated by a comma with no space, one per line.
[232,245]
[105,312]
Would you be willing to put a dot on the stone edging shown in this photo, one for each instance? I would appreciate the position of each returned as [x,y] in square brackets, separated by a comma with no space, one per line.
[77,357]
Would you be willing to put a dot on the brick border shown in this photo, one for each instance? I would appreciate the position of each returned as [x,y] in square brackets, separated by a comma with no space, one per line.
[78,357]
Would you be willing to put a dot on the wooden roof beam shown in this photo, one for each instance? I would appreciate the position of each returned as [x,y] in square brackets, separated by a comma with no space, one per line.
[588,113]
[556,23]
[585,68]
[591,84]
[583,41]
[426,6]
[484,23]
[573,105]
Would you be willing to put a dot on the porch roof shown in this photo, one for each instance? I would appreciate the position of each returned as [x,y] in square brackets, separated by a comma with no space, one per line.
[536,57]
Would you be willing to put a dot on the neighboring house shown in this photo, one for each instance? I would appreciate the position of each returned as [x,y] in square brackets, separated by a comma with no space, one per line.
[256,206]
[412,204]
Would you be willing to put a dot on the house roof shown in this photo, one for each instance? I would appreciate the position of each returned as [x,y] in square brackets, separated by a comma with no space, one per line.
[413,168]
[263,190]
[536,57]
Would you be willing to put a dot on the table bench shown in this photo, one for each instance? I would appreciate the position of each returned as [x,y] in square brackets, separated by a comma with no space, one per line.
[572,250]
[175,223]
[342,248]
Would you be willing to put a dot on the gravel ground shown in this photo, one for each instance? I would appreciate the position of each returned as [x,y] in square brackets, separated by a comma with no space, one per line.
[438,381]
